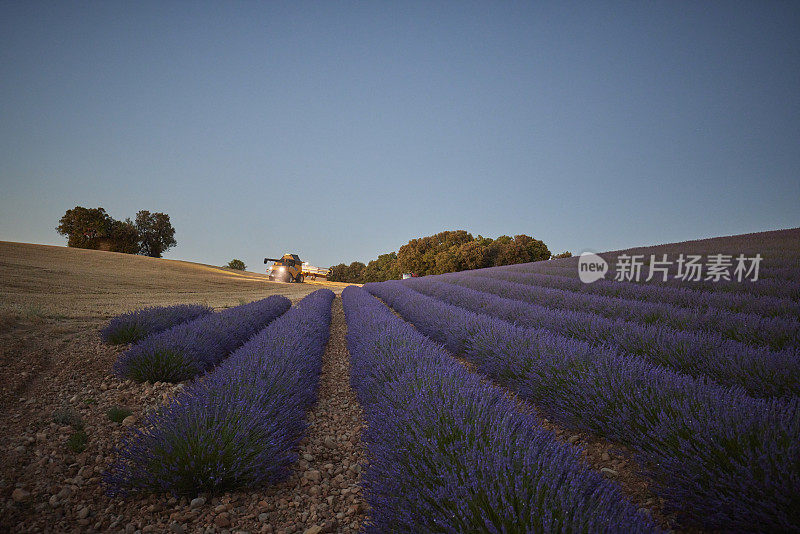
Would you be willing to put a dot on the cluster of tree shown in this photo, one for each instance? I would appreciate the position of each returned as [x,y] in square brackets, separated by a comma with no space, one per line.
[236,264]
[445,252]
[151,234]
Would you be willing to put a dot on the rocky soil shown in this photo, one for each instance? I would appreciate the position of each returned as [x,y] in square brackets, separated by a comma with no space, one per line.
[50,480]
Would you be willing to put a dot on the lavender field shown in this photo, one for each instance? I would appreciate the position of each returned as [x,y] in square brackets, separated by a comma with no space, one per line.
[698,380]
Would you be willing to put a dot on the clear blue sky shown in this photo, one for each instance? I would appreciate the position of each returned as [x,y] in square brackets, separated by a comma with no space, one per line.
[341,130]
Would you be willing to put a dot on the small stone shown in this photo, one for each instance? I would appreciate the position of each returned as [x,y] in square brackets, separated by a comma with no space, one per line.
[65,493]
[573,439]
[330,442]
[222,521]
[316,529]
[197,502]
[263,517]
[177,528]
[606,457]
[313,475]
[74,399]
[21,495]
[608,472]
[54,501]
[220,508]
[308,457]
[129,421]
[83,513]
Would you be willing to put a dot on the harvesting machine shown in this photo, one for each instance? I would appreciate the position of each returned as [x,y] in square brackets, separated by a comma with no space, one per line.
[290,268]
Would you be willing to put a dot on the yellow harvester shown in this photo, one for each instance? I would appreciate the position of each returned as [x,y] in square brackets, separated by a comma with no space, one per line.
[289,268]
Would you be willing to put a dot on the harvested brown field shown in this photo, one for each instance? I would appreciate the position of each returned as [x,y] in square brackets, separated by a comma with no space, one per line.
[52,361]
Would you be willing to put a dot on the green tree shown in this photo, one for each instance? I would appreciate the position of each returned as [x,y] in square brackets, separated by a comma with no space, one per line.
[155,232]
[355,272]
[237,264]
[445,252]
[337,273]
[419,255]
[565,254]
[536,249]
[382,269]
[124,237]
[85,227]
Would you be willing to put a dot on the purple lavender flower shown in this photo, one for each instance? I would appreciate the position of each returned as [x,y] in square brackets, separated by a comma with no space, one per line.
[776,333]
[762,372]
[238,425]
[448,453]
[723,460]
[136,325]
[190,348]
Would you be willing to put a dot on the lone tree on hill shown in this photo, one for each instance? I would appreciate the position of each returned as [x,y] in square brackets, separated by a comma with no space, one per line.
[236,264]
[156,234]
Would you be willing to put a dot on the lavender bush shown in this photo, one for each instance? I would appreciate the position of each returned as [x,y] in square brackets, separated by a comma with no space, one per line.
[761,372]
[190,348]
[722,460]
[451,454]
[134,326]
[776,333]
[680,296]
[238,425]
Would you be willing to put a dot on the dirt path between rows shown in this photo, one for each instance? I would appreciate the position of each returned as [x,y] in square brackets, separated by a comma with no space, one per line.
[47,487]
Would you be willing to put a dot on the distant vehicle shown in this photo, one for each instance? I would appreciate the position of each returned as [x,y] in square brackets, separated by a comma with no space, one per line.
[410,275]
[290,268]
[313,272]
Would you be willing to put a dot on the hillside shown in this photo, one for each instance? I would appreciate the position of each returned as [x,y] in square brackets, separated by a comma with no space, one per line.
[49,281]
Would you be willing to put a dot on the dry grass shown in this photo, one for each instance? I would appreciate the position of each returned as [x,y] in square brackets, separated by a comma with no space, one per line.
[45,282]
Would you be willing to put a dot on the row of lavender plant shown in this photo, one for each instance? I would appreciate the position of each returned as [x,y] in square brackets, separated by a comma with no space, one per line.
[763,373]
[772,287]
[136,325]
[569,266]
[723,460]
[775,332]
[190,348]
[240,424]
[782,288]
[448,453]
[766,306]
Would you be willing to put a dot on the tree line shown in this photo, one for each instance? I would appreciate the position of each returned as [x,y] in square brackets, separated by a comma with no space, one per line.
[445,252]
[150,234]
